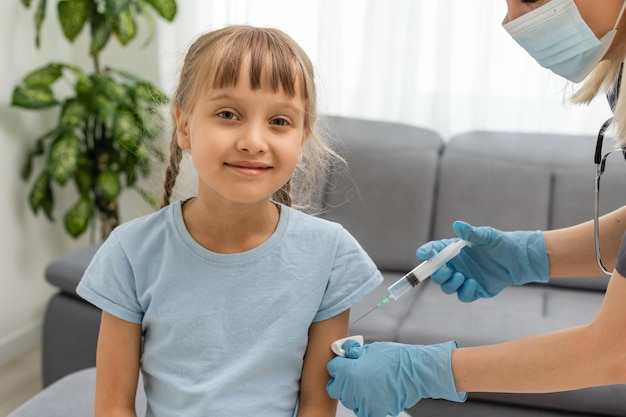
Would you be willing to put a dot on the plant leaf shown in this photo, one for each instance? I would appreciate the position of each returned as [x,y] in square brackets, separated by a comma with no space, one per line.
[129,165]
[77,218]
[149,17]
[83,177]
[126,130]
[115,7]
[27,167]
[78,72]
[108,87]
[37,150]
[82,81]
[26,3]
[100,32]
[106,108]
[143,160]
[63,158]
[37,97]
[41,196]
[149,93]
[151,122]
[74,114]
[108,185]
[72,16]
[126,74]
[40,15]
[125,27]
[165,8]
[83,87]
[44,76]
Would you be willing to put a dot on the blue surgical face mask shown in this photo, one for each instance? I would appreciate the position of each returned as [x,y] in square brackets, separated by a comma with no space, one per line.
[559,39]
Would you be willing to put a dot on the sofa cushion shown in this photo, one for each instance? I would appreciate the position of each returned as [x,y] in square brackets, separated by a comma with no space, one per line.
[70,336]
[515,313]
[524,181]
[71,396]
[65,272]
[385,200]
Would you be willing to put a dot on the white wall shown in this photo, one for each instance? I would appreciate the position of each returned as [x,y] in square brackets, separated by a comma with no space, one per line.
[30,242]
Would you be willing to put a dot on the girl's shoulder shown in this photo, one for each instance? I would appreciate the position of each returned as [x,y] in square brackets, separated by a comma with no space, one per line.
[316,222]
[148,226]
[317,229]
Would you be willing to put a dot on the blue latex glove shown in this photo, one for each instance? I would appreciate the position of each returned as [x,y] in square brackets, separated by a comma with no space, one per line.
[495,260]
[385,378]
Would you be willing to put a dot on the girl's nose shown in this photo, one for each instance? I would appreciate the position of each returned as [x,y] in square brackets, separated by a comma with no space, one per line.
[252,139]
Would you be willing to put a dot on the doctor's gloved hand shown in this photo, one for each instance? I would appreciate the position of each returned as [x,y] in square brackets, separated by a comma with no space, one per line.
[385,378]
[495,260]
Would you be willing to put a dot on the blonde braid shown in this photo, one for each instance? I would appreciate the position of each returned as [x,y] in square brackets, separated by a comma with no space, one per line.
[172,171]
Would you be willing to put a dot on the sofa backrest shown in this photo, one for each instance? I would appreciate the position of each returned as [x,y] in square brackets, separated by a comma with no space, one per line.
[524,181]
[406,186]
[386,198]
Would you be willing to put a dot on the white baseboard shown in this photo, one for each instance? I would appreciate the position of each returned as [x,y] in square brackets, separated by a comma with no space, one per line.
[18,342]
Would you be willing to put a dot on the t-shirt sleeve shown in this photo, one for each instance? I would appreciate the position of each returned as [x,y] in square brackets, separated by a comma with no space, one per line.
[621,257]
[353,276]
[109,282]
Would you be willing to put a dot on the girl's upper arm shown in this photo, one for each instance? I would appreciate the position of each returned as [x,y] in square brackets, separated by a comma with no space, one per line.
[314,400]
[117,366]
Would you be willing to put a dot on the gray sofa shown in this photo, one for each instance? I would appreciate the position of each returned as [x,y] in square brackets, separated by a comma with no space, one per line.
[406,185]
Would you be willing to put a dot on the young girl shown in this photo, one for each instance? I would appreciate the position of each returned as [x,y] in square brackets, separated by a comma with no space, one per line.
[228,301]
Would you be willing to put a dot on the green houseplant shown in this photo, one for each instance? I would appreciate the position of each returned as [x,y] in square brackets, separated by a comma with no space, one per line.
[109,120]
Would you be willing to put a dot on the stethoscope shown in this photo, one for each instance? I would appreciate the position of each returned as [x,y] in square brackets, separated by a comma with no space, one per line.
[600,161]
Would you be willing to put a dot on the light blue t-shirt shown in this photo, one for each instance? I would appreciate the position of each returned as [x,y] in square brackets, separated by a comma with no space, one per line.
[225,335]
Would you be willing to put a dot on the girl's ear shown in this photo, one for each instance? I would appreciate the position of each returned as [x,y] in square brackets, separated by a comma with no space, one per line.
[182,129]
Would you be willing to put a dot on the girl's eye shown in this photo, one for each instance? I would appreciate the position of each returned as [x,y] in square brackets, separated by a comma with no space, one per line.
[280,122]
[227,115]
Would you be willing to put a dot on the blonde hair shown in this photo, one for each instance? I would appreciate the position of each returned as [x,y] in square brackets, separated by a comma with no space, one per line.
[215,60]
[603,80]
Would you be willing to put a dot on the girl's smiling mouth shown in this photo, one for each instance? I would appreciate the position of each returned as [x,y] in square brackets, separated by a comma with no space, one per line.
[249,168]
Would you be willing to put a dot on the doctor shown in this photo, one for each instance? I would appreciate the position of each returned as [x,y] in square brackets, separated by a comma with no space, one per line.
[577,39]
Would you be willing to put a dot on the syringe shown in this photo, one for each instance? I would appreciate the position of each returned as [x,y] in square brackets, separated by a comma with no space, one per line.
[410,280]
[423,271]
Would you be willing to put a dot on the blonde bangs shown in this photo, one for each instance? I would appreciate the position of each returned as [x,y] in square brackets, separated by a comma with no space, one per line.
[271,61]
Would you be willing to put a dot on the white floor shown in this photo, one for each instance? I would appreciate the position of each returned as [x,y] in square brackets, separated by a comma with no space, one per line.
[20,379]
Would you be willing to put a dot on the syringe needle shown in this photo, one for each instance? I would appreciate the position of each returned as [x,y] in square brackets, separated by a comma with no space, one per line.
[419,274]
[382,303]
[369,311]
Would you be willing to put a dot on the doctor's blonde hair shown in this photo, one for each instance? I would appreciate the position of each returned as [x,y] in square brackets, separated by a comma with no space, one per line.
[603,80]
[276,62]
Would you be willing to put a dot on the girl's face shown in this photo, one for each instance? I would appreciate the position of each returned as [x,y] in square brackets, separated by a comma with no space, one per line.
[600,16]
[245,144]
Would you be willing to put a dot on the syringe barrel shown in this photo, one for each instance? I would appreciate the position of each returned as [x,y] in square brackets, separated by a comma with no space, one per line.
[402,285]
[425,269]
